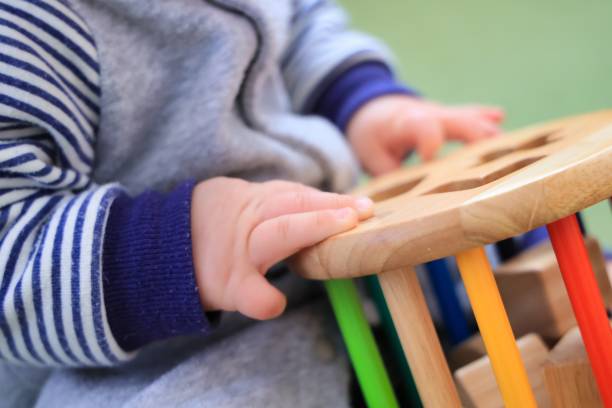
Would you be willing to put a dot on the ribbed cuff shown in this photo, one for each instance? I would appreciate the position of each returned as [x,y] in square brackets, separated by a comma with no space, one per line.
[353,88]
[150,291]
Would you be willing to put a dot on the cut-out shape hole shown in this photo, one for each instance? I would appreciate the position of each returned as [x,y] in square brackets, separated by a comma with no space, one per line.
[538,141]
[395,190]
[467,184]
[494,155]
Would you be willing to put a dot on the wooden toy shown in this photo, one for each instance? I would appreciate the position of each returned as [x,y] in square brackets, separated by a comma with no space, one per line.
[494,327]
[531,282]
[466,352]
[453,317]
[476,381]
[568,375]
[419,339]
[364,353]
[507,249]
[586,300]
[482,194]
[407,392]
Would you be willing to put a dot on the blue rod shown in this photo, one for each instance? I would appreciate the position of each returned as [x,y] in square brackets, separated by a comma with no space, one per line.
[454,319]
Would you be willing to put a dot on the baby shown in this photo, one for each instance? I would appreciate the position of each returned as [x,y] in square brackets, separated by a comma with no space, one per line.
[158,158]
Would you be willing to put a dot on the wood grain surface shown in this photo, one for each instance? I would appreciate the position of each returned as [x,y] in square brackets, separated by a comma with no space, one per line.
[568,375]
[483,193]
[419,339]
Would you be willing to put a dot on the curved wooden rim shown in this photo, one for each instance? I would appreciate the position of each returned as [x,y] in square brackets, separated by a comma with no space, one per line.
[503,187]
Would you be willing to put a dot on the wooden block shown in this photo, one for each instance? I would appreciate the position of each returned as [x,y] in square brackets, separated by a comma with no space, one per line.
[568,376]
[534,294]
[476,381]
[467,351]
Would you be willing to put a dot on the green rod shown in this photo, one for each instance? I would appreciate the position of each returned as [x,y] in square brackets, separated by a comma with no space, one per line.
[409,390]
[360,343]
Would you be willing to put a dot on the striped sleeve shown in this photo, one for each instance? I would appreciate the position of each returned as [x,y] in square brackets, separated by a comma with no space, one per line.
[321,48]
[52,216]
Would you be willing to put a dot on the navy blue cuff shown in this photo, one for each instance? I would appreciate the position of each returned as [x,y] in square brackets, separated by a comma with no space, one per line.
[353,88]
[150,291]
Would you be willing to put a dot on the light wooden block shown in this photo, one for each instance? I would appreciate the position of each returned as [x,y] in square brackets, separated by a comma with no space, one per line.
[568,375]
[534,295]
[476,381]
[467,351]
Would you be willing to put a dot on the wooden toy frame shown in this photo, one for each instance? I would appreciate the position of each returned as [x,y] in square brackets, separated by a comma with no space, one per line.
[482,194]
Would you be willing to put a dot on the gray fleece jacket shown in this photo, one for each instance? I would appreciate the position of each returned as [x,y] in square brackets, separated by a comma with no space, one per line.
[209,88]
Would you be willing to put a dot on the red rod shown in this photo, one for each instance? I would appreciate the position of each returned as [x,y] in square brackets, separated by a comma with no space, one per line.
[586,300]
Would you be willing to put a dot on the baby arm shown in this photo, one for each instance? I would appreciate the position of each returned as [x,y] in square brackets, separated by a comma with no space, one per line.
[52,214]
[240,229]
[345,76]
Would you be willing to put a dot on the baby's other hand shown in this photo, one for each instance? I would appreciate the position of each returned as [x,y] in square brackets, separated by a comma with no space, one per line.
[384,130]
[240,229]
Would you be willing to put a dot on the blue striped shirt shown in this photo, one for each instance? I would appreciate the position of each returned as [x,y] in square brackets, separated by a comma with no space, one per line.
[50,210]
[88,274]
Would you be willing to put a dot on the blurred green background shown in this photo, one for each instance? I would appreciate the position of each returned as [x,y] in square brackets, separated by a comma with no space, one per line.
[539,60]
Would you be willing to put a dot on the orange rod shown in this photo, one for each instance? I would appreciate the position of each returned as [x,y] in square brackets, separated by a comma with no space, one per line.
[495,328]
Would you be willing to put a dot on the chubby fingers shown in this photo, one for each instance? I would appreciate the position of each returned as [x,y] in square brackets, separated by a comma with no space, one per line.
[278,238]
[470,124]
[380,158]
[429,137]
[300,200]
[256,298]
[492,113]
[422,131]
[283,186]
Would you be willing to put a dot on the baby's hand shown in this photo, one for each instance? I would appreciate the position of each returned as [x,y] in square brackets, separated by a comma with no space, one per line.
[385,129]
[240,229]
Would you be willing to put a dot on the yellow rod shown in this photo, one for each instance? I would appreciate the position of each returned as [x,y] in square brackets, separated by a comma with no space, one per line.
[495,328]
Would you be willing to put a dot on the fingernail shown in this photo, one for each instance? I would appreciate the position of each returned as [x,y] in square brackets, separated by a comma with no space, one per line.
[364,204]
[344,213]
